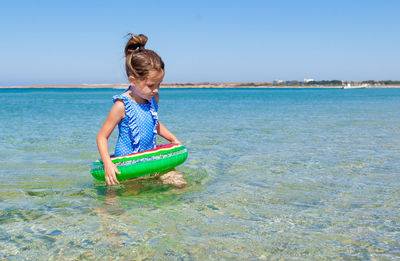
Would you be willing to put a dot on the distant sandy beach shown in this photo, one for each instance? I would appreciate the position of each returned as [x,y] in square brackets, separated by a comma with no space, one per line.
[217,85]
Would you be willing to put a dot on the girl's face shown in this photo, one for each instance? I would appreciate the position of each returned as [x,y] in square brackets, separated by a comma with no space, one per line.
[145,89]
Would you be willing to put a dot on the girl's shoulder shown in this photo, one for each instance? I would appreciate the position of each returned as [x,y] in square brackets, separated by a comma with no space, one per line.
[119,97]
[118,110]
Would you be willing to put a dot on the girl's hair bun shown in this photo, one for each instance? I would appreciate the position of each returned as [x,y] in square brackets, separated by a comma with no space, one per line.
[135,42]
[139,61]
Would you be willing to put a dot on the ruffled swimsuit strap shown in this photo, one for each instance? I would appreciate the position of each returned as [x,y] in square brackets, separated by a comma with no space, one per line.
[154,115]
[132,122]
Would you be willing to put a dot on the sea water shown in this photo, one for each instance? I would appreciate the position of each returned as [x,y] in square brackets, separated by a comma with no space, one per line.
[272,174]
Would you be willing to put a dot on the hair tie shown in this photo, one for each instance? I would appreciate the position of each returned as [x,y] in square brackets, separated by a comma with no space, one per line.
[141,47]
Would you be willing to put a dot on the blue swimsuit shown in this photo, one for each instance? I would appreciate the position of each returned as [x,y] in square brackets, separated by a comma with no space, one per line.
[137,130]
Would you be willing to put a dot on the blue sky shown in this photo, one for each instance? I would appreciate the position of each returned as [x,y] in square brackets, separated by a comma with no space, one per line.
[71,42]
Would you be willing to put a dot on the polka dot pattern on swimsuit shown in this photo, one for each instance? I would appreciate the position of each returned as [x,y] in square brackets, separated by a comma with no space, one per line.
[137,129]
[146,125]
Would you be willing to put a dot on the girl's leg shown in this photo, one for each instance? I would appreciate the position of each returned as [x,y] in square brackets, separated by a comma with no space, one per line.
[173,177]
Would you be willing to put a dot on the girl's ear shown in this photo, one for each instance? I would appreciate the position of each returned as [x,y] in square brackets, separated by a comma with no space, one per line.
[131,80]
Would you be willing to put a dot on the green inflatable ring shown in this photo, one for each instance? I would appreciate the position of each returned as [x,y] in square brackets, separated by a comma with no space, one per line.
[162,158]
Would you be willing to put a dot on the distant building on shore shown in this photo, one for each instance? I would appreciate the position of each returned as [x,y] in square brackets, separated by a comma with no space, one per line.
[308,80]
[278,81]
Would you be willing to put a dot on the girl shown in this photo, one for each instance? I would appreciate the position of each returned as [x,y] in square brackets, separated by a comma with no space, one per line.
[135,111]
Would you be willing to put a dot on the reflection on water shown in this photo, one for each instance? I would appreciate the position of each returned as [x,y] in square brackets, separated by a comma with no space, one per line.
[282,174]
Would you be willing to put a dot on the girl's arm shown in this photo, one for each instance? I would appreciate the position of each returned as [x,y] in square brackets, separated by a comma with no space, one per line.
[116,114]
[162,130]
[166,134]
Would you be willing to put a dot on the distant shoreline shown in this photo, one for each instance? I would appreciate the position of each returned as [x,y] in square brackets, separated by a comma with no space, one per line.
[220,85]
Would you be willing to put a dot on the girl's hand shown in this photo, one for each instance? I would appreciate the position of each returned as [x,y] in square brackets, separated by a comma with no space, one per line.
[109,173]
[176,141]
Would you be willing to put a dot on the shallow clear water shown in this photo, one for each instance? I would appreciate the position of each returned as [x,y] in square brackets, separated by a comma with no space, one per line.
[283,173]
